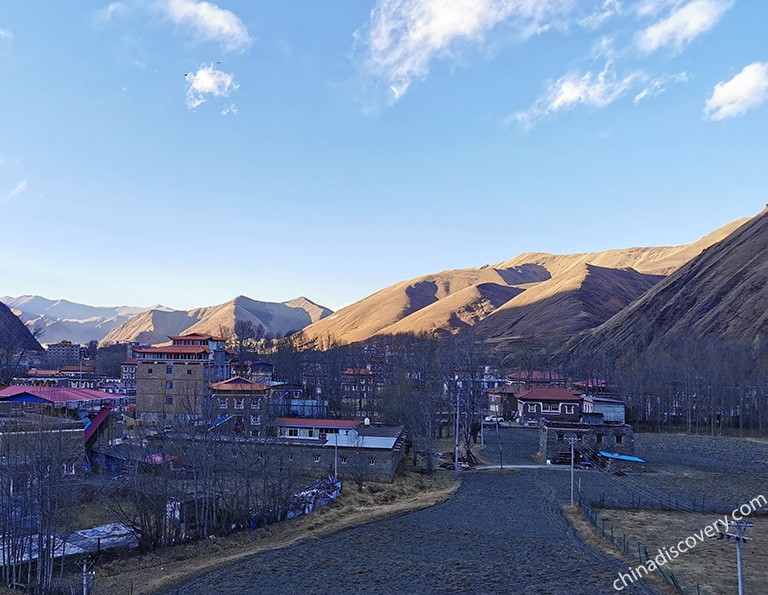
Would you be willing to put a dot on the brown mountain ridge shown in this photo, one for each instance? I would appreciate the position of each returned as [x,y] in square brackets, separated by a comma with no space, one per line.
[534,294]
[720,293]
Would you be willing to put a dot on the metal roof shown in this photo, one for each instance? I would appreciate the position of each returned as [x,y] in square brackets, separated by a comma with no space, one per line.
[55,394]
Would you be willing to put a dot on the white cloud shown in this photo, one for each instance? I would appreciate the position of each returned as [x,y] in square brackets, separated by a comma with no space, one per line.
[649,8]
[209,22]
[5,35]
[111,12]
[404,36]
[682,25]
[19,189]
[744,91]
[208,81]
[657,86]
[575,88]
[601,14]
[230,109]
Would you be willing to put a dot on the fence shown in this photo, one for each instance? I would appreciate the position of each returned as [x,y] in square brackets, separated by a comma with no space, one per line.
[633,549]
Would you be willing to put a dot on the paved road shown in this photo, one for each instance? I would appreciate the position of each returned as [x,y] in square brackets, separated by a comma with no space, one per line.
[500,533]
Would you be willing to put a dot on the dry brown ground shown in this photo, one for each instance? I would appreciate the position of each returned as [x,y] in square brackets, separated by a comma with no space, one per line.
[164,568]
[711,564]
[592,537]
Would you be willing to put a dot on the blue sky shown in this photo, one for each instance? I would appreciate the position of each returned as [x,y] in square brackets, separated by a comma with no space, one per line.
[184,152]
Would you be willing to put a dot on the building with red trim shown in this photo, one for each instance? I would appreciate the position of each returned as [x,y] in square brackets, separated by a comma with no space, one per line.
[173,382]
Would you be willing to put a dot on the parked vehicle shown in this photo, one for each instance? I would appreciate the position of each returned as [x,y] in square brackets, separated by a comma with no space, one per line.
[493,419]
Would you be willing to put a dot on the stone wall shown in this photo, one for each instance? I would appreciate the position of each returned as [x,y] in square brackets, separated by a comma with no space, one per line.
[590,439]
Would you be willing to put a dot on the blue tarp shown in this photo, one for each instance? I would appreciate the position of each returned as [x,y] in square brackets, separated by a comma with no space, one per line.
[629,458]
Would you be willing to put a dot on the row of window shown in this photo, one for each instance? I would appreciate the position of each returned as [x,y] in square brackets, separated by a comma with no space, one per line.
[549,408]
[169,370]
[598,438]
[238,402]
[342,459]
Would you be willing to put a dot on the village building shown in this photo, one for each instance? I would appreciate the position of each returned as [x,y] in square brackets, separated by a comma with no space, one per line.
[551,403]
[64,353]
[173,382]
[242,403]
[360,392]
[502,401]
[611,409]
[523,380]
[589,440]
[128,375]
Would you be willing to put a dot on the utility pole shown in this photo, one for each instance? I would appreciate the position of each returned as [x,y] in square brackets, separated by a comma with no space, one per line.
[88,575]
[739,537]
[336,456]
[572,441]
[498,441]
[456,440]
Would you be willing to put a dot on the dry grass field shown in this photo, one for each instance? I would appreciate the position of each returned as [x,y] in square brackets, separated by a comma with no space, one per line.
[711,563]
[162,569]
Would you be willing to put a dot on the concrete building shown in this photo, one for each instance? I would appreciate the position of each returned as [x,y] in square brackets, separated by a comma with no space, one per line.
[64,353]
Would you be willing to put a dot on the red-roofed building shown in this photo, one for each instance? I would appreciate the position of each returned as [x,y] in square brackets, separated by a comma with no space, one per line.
[551,402]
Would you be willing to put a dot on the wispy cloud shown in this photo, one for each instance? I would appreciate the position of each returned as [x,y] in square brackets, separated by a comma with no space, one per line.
[597,90]
[682,25]
[209,22]
[602,13]
[657,86]
[111,12]
[403,37]
[20,188]
[746,90]
[208,81]
[229,110]
[5,35]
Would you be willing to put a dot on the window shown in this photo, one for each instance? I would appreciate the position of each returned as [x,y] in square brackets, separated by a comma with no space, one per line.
[550,408]
[240,403]
[619,439]
[317,458]
[149,370]
[560,437]
[568,408]
[343,459]
[69,468]
[223,404]
[169,369]
[531,407]
[290,456]
[599,438]
[169,400]
[371,460]
[189,371]
[293,431]
[169,384]
[255,420]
